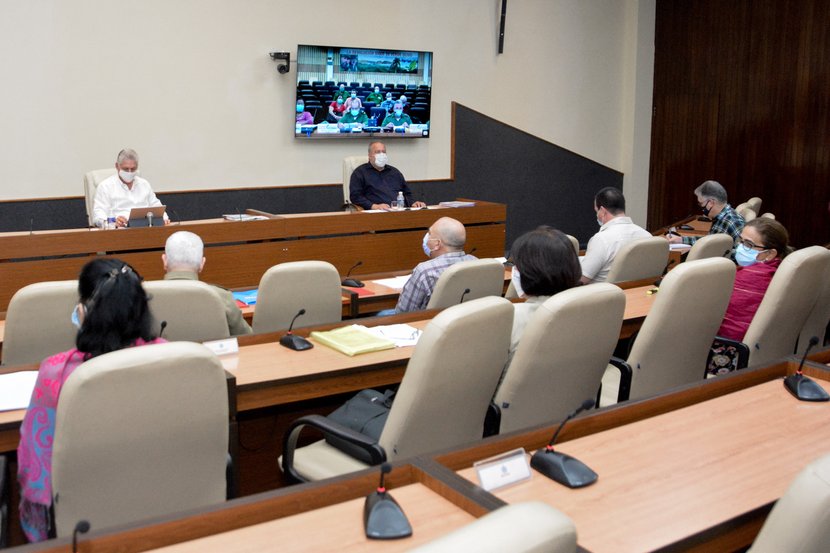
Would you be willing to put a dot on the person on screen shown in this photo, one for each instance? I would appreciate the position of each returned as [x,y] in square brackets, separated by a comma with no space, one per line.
[354,118]
[444,245]
[303,117]
[341,92]
[123,191]
[712,199]
[404,102]
[351,100]
[112,314]
[184,259]
[615,229]
[397,118]
[375,185]
[375,96]
[336,110]
[389,103]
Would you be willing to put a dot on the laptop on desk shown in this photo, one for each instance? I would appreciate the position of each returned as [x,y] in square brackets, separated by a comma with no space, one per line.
[147,216]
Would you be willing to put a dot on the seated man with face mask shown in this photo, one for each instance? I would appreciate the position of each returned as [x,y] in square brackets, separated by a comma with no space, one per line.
[118,194]
[354,117]
[375,185]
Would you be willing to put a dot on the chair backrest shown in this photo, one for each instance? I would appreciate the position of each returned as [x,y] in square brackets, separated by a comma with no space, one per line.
[288,287]
[450,379]
[754,203]
[746,212]
[350,163]
[674,341]
[140,432]
[800,520]
[786,305]
[819,317]
[711,245]
[483,277]
[768,215]
[532,527]
[574,242]
[38,322]
[91,182]
[639,259]
[562,356]
[193,310]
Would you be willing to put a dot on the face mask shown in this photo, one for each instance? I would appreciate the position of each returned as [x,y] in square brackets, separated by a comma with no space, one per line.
[377,90]
[380,159]
[75,320]
[398,112]
[705,209]
[354,95]
[342,87]
[746,256]
[599,222]
[355,112]
[516,279]
[299,108]
[425,245]
[340,101]
[127,176]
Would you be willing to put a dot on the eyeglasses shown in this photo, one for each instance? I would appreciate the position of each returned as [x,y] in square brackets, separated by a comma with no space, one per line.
[751,245]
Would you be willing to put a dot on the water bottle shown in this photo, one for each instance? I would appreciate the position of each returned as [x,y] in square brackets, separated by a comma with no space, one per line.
[399,202]
[110,221]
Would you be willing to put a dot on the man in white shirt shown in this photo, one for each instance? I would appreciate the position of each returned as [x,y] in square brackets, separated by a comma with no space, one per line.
[615,230]
[118,194]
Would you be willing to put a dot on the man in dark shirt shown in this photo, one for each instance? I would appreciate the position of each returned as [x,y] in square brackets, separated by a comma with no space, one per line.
[375,185]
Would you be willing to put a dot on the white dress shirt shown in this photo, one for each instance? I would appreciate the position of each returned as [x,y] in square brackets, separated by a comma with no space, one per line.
[113,196]
[604,245]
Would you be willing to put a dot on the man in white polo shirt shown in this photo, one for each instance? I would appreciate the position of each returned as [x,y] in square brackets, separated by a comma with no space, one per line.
[118,194]
[615,229]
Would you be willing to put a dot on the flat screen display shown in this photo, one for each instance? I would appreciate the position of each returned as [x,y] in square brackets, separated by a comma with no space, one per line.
[346,93]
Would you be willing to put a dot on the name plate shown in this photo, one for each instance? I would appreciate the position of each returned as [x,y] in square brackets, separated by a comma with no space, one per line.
[223,347]
[503,470]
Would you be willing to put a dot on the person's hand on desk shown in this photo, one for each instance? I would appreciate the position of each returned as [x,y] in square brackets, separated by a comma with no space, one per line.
[419,204]
[674,238]
[120,221]
[384,207]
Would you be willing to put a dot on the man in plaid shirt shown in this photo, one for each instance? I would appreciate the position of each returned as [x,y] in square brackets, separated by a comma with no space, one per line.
[711,197]
[444,245]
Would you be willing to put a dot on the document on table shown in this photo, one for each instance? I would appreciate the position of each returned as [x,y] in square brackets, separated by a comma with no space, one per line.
[679,247]
[16,390]
[396,282]
[402,334]
[352,340]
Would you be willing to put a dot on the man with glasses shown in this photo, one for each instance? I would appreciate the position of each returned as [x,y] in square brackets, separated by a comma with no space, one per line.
[711,197]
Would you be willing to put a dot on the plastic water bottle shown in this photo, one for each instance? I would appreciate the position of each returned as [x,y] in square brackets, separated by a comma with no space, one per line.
[110,221]
[399,202]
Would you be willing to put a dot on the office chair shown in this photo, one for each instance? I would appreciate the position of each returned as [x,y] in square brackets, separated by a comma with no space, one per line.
[482,277]
[532,527]
[711,245]
[754,204]
[140,432]
[819,317]
[287,288]
[800,520]
[193,310]
[38,322]
[448,384]
[91,181]
[350,163]
[639,259]
[746,212]
[561,357]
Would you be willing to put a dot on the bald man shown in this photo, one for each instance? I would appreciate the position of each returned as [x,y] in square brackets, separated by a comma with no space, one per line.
[444,245]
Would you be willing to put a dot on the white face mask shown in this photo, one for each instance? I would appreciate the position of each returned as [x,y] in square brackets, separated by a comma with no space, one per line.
[599,222]
[516,279]
[127,176]
[380,159]
[425,245]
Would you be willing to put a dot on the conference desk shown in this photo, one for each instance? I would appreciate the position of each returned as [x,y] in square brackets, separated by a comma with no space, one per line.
[239,252]
[695,469]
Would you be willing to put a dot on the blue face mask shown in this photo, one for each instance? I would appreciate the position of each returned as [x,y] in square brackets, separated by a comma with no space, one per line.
[355,112]
[75,320]
[425,245]
[299,108]
[398,113]
[746,256]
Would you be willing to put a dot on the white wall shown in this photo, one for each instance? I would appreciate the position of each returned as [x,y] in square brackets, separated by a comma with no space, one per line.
[189,84]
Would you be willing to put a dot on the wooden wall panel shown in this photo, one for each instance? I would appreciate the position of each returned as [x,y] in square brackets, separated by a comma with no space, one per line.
[742,96]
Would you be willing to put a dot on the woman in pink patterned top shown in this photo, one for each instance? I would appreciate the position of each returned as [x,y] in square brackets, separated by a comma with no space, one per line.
[112,314]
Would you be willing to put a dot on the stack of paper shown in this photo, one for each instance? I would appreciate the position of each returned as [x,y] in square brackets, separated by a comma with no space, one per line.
[402,334]
[244,217]
[395,283]
[16,390]
[352,340]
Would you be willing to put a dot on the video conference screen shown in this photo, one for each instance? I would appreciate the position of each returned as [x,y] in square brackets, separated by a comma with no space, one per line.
[347,93]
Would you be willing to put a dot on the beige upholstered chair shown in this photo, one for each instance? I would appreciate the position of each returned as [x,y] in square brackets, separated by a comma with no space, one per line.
[287,288]
[483,277]
[711,245]
[639,259]
[673,343]
[193,310]
[351,163]
[532,527]
[91,182]
[38,322]
[561,357]
[754,203]
[746,212]
[140,432]
[768,215]
[791,295]
[441,402]
[800,520]
[817,320]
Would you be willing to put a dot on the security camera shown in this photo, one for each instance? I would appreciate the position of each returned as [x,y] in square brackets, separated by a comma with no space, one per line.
[282,68]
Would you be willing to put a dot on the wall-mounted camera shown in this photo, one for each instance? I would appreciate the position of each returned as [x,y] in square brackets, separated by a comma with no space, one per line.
[286,56]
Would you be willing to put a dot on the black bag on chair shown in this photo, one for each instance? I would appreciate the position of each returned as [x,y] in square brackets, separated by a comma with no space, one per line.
[366,413]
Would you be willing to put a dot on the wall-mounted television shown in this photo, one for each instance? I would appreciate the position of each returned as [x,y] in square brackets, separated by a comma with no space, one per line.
[346,93]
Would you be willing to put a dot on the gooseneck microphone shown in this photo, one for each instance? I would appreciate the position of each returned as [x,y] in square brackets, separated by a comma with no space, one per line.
[561,467]
[466,291]
[291,341]
[353,282]
[162,326]
[383,518]
[803,387]
[82,527]
[149,218]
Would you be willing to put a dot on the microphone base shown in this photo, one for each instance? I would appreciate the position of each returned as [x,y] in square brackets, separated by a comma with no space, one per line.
[352,283]
[297,343]
[563,468]
[383,518]
[805,388]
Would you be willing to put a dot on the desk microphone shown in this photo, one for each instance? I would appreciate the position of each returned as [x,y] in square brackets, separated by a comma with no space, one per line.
[31,226]
[803,387]
[162,326]
[82,527]
[561,467]
[383,518]
[466,291]
[353,282]
[291,341]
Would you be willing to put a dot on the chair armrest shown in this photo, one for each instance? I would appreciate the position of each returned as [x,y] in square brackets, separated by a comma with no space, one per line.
[492,420]
[289,444]
[626,374]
